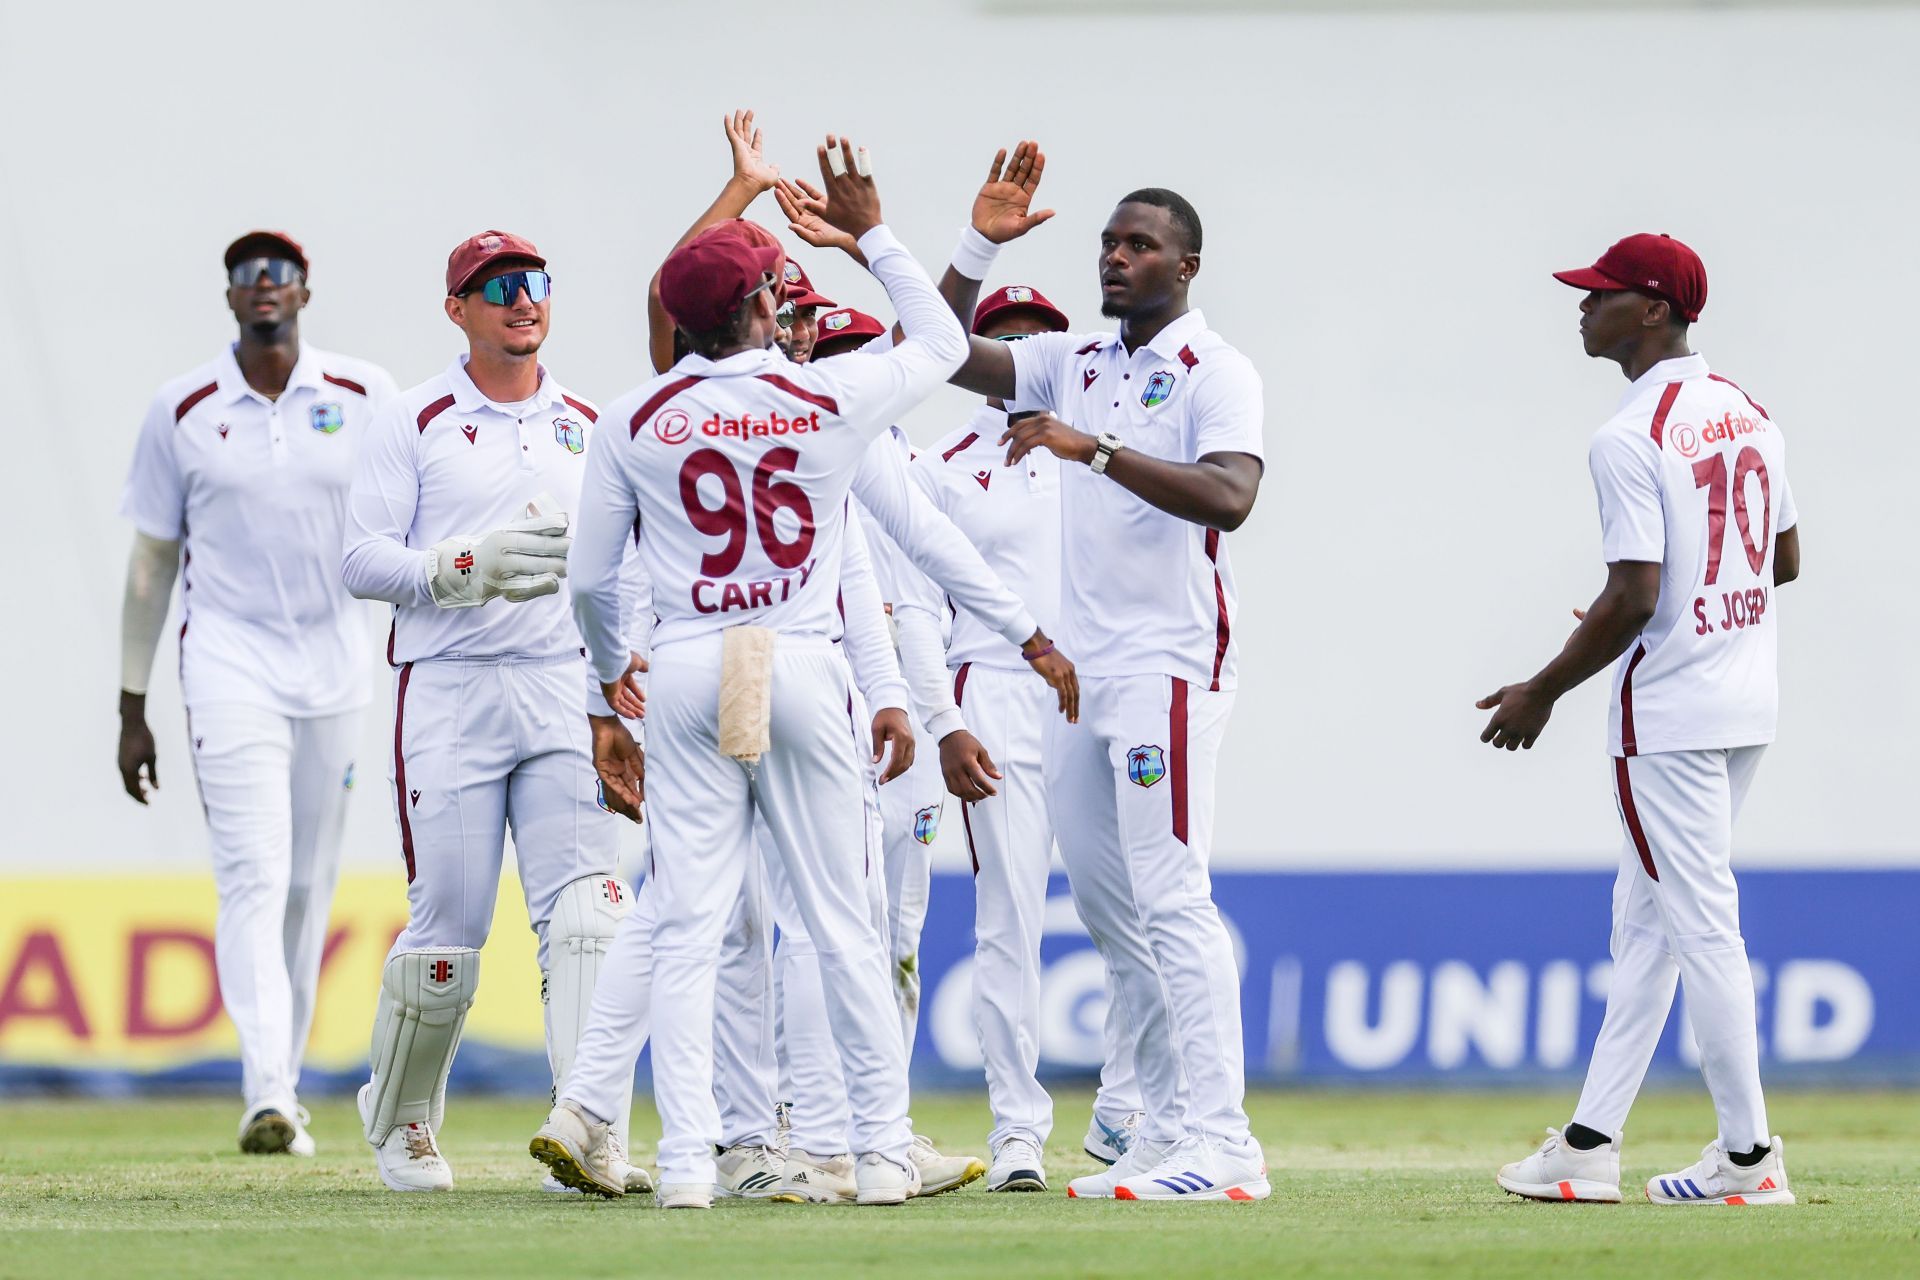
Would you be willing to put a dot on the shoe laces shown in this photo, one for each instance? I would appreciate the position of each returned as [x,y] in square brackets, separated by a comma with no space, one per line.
[420,1142]
[616,1149]
[1553,1141]
[923,1145]
[301,1116]
[1018,1148]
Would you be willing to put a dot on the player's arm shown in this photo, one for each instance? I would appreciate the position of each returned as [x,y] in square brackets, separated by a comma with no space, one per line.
[751,176]
[1002,211]
[1786,556]
[376,562]
[155,498]
[151,569]
[870,652]
[602,589]
[1626,478]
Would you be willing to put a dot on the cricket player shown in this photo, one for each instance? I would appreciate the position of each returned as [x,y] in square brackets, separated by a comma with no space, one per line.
[1698,528]
[252,453]
[1000,714]
[458,517]
[1158,431]
[740,608]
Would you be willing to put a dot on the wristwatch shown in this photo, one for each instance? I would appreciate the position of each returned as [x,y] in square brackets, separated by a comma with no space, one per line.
[1103,451]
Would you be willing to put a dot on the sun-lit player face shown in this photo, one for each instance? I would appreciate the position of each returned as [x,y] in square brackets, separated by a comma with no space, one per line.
[801,336]
[262,305]
[1142,261]
[1612,320]
[516,329]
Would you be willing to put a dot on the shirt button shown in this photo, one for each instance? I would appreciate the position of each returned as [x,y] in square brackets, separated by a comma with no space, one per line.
[1126,377]
[1116,404]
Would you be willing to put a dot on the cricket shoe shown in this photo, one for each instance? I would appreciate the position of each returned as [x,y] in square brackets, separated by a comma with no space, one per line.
[685,1195]
[575,1148]
[1017,1167]
[1141,1154]
[408,1160]
[1716,1179]
[811,1179]
[268,1131]
[1107,1143]
[882,1181]
[748,1172]
[940,1173]
[1560,1171]
[1200,1168]
[635,1178]
[302,1144]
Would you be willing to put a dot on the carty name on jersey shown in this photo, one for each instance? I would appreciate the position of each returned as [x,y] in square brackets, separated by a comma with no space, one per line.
[724,597]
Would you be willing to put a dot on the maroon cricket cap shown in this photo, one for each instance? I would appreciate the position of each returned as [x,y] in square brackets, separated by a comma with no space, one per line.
[705,279]
[1018,297]
[1658,266]
[266,244]
[843,330]
[800,290]
[476,253]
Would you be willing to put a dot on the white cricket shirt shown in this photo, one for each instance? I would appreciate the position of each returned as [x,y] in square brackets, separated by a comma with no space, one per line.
[255,492]
[1143,592]
[443,461]
[1692,475]
[1011,514]
[739,471]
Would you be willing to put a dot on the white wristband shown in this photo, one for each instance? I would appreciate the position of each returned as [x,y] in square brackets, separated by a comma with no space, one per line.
[973,256]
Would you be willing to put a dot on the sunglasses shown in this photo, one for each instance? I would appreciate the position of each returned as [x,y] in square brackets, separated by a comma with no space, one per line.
[785,316]
[280,271]
[503,289]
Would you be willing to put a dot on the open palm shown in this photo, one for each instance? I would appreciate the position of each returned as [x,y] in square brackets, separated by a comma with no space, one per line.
[750,164]
[1003,210]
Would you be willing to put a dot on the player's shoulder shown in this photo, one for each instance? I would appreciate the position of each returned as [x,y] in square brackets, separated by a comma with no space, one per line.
[1207,355]
[567,398]
[353,375]
[421,403]
[1068,345]
[178,395]
[980,433]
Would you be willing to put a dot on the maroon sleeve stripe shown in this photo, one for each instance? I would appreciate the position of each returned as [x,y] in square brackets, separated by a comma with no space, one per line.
[1177,758]
[811,397]
[1222,627]
[185,407]
[348,383]
[593,414]
[657,399]
[1187,357]
[948,455]
[1632,817]
[1758,407]
[1628,744]
[1088,350]
[1667,397]
[433,411]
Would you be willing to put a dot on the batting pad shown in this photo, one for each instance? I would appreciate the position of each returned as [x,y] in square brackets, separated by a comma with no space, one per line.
[424,998]
[746,693]
[585,917]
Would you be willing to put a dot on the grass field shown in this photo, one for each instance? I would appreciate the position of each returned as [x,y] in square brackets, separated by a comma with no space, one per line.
[1365,1184]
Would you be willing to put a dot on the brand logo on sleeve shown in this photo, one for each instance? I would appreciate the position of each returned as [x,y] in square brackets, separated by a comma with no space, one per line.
[570,433]
[1159,387]
[326,418]
[1146,765]
[673,427]
[926,824]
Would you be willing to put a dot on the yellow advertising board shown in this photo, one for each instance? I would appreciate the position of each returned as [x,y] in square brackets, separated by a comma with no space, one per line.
[116,973]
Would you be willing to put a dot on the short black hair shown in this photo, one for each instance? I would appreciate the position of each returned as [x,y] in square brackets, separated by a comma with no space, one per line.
[1186,219]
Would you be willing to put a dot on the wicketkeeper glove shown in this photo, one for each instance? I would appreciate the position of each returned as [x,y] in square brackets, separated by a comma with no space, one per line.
[520,561]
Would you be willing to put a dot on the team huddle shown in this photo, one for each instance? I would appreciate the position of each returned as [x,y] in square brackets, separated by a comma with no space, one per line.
[736,604]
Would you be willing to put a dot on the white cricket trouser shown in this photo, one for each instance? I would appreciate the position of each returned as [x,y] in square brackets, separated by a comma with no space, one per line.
[1010,838]
[481,746]
[274,788]
[808,787]
[1676,915]
[1130,789]
[910,809]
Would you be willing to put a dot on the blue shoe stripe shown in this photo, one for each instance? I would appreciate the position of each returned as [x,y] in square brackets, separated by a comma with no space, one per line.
[1201,1182]
[1175,1187]
[1667,1191]
[1698,1193]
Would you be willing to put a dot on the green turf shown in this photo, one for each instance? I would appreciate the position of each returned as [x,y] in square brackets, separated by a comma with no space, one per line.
[1387,1184]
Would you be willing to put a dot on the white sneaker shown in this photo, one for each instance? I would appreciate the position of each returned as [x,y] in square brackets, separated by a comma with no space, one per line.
[1716,1179]
[811,1179]
[1107,1143]
[1199,1168]
[686,1195]
[782,1125]
[1017,1167]
[748,1172]
[1558,1171]
[267,1130]
[940,1173]
[302,1144]
[637,1180]
[881,1181]
[408,1160]
[1141,1154]
[573,1146]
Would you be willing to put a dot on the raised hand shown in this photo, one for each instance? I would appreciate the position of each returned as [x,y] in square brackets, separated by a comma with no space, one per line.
[846,175]
[805,206]
[750,166]
[1002,210]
